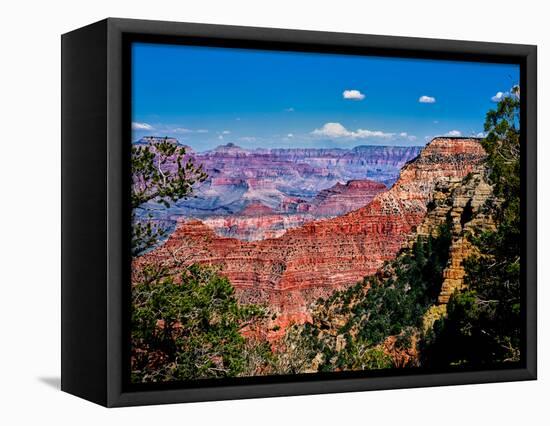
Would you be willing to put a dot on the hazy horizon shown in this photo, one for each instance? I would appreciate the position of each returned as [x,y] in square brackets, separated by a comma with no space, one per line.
[297,146]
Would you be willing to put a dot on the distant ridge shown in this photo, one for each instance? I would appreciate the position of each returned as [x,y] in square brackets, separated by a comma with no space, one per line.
[154,140]
[230,148]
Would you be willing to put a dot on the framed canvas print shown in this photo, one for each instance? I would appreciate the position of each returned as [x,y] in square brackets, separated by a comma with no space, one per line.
[252,212]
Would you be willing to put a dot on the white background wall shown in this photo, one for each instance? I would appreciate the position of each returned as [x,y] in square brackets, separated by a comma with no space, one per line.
[30,211]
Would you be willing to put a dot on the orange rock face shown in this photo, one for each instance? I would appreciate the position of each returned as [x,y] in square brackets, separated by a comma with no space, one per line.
[313,260]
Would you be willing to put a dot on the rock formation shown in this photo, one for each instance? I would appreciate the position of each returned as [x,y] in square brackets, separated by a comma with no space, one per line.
[285,180]
[319,257]
[461,201]
[258,222]
[458,203]
[344,198]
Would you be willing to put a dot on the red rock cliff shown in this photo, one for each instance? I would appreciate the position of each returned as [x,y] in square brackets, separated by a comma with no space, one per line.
[343,198]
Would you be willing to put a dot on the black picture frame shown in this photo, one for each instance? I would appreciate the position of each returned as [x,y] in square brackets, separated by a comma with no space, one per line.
[95,207]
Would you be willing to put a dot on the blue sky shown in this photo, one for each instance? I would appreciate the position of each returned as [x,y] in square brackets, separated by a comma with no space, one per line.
[207,96]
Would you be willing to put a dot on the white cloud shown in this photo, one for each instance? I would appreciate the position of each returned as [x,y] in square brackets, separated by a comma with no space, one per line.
[481,135]
[354,95]
[514,91]
[333,130]
[226,132]
[454,133]
[290,135]
[405,135]
[360,133]
[426,99]
[167,128]
[336,130]
[181,130]
[141,126]
[498,97]
[220,137]
[289,109]
[248,138]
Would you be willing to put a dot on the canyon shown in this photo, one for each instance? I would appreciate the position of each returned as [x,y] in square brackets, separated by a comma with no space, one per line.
[285,187]
[257,221]
[314,258]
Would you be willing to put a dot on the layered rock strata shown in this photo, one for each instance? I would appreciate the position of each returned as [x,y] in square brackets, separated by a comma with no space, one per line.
[285,180]
[463,204]
[344,198]
[264,224]
[259,222]
[464,207]
[312,261]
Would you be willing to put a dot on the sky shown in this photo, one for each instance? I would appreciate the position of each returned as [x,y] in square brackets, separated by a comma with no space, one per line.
[209,96]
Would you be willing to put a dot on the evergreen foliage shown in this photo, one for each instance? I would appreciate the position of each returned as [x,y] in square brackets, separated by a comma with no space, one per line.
[191,328]
[483,325]
[160,174]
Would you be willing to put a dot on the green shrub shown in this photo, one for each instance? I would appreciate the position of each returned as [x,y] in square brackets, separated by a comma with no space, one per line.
[190,328]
